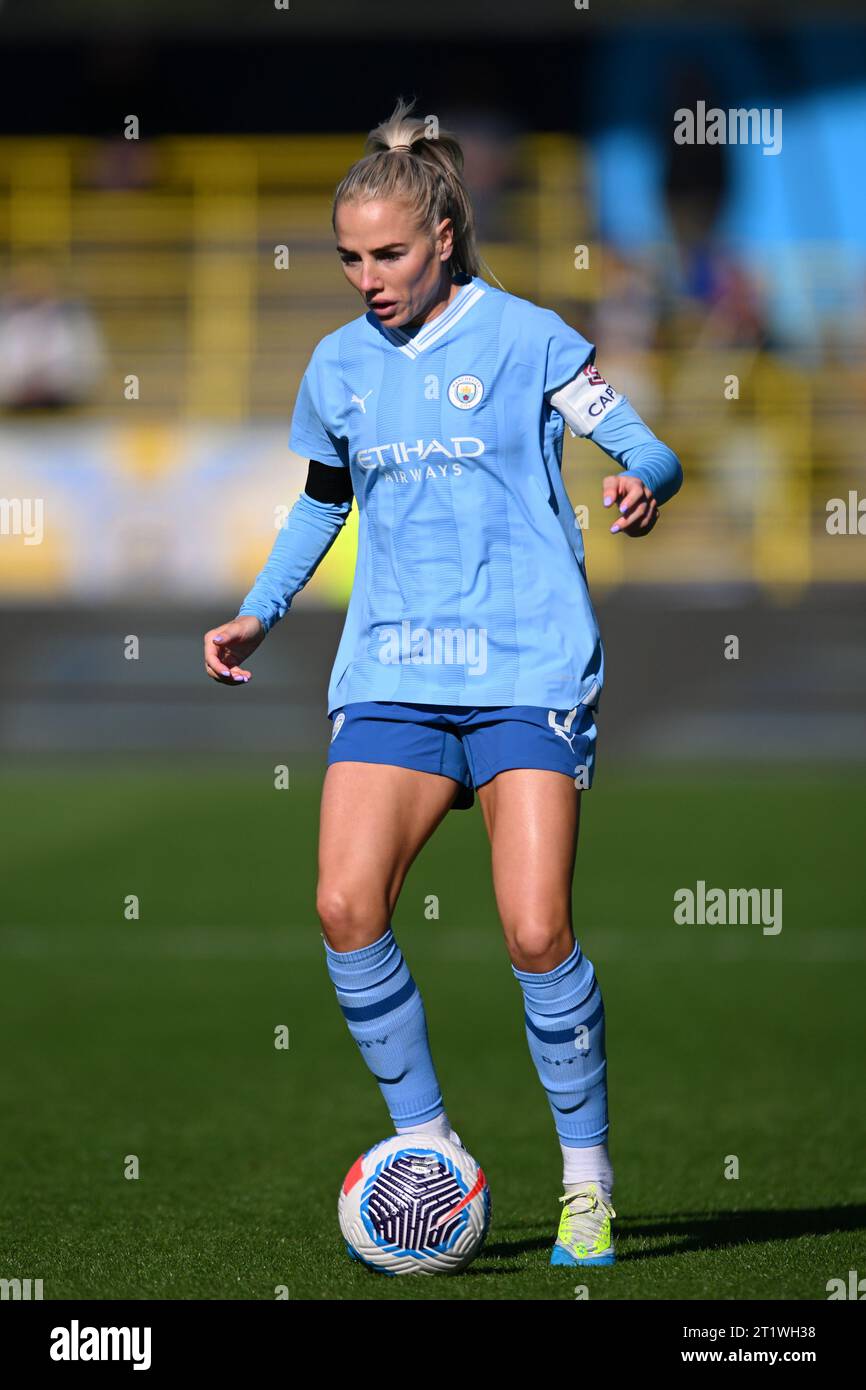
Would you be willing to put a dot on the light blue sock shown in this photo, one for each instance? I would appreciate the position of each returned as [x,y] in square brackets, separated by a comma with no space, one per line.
[565,1030]
[383,1008]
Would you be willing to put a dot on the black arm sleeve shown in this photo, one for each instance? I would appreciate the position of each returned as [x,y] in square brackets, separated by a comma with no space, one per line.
[328,484]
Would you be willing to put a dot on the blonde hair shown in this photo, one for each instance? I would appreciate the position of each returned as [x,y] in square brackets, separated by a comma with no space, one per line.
[402,164]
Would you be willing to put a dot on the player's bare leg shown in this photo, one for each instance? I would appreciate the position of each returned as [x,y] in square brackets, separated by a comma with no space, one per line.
[532,817]
[374,820]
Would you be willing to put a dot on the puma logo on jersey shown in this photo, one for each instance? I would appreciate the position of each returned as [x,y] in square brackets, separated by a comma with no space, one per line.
[563,730]
[359,400]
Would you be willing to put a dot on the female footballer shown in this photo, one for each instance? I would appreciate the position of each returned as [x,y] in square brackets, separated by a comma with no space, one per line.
[471,658]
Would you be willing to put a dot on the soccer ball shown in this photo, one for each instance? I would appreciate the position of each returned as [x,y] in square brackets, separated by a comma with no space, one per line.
[414,1204]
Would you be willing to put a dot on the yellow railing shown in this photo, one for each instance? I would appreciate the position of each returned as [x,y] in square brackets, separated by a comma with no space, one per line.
[181,274]
[181,277]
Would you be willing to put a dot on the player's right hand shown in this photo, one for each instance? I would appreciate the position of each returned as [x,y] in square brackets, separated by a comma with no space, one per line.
[226,646]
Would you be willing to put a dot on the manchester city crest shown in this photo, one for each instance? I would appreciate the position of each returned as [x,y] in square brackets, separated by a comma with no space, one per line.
[465,392]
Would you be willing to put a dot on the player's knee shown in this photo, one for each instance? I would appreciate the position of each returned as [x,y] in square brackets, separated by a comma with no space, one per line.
[348,919]
[336,909]
[539,948]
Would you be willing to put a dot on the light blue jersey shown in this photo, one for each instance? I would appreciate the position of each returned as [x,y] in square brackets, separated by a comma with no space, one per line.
[470,585]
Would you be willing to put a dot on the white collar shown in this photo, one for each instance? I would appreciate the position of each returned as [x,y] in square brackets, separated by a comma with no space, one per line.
[414,343]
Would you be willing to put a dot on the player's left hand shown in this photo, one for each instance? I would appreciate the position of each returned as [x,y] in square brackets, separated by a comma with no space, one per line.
[638,508]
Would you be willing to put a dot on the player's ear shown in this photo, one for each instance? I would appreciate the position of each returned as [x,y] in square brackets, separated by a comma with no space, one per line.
[445,238]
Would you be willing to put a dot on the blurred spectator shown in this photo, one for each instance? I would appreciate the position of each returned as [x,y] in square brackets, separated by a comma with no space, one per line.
[624,326]
[627,314]
[490,136]
[709,299]
[123,164]
[51,349]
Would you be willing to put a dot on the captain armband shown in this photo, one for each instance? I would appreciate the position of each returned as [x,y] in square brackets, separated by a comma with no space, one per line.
[585,401]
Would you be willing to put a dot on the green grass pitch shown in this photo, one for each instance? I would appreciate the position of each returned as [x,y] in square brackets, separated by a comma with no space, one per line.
[155,1038]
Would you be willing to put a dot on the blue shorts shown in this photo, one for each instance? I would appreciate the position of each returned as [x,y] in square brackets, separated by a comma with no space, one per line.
[471,745]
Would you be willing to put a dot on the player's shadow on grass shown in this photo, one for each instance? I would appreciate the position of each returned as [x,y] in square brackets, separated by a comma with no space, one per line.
[725,1229]
[684,1234]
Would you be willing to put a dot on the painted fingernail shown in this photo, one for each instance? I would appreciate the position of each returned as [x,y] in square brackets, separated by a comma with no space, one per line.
[623,506]
[607,501]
